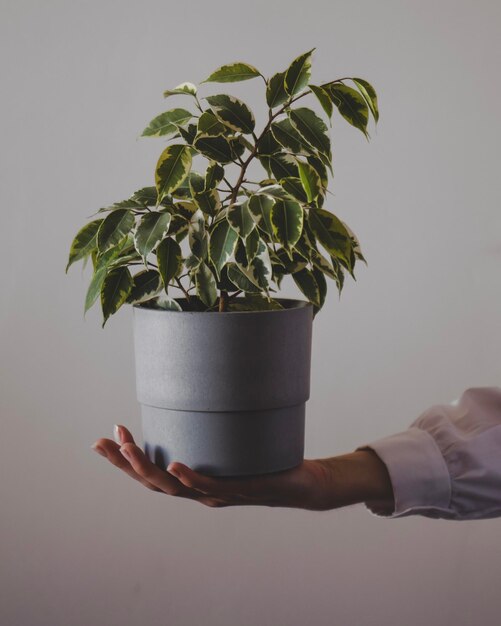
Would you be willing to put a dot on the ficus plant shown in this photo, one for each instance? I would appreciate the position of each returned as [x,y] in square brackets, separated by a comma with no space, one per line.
[211,233]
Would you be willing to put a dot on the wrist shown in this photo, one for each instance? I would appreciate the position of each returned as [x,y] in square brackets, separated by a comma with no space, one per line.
[357,477]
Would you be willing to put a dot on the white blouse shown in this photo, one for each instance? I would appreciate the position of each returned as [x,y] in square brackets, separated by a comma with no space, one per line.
[448,463]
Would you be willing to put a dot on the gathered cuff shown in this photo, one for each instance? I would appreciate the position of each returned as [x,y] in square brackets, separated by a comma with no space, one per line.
[418,472]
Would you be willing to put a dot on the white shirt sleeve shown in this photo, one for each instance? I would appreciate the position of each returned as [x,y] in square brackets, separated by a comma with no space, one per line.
[448,463]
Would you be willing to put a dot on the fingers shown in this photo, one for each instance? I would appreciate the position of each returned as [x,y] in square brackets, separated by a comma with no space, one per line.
[245,490]
[111,451]
[153,475]
[122,435]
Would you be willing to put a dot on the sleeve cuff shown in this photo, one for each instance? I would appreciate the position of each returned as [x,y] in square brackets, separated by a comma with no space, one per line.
[418,473]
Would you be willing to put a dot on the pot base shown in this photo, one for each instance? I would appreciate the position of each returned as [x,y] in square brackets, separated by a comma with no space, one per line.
[228,443]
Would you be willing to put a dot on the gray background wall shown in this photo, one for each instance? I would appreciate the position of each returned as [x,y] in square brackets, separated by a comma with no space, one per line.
[82,545]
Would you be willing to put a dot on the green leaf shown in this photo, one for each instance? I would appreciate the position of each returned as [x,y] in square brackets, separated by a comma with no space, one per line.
[298,74]
[259,270]
[268,144]
[146,196]
[255,302]
[233,73]
[322,288]
[206,285]
[167,303]
[308,285]
[170,260]
[167,123]
[310,180]
[351,105]
[281,165]
[331,233]
[287,136]
[240,280]
[240,218]
[151,229]
[102,265]
[172,168]
[184,88]
[275,90]
[198,236]
[233,113]
[260,206]
[84,243]
[213,176]
[210,126]
[215,148]
[320,263]
[222,244]
[114,228]
[323,97]
[287,221]
[320,169]
[294,189]
[116,287]
[145,285]
[208,201]
[370,96]
[252,245]
[311,128]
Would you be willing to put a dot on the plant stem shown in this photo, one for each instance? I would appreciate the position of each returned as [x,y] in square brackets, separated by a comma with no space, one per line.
[223,301]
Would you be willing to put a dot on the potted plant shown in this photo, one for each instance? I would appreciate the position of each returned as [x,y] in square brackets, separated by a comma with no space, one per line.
[223,369]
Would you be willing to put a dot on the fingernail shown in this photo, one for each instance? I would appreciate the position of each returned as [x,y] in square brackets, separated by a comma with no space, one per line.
[98,449]
[125,453]
[117,433]
[173,471]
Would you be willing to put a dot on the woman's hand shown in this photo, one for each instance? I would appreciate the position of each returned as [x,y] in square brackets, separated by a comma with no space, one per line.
[316,485]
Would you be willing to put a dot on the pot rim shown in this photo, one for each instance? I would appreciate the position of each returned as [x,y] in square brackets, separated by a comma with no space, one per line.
[293,302]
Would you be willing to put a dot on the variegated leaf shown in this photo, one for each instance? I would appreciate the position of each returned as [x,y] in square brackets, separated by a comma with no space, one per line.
[116,287]
[170,260]
[310,180]
[294,189]
[331,233]
[167,303]
[84,243]
[184,88]
[288,137]
[287,221]
[172,168]
[351,105]
[198,235]
[213,176]
[298,74]
[145,285]
[308,285]
[206,285]
[114,228]
[215,148]
[323,97]
[150,230]
[222,244]
[210,126]
[240,218]
[233,113]
[233,73]
[311,128]
[260,206]
[370,96]
[102,266]
[240,280]
[275,90]
[167,123]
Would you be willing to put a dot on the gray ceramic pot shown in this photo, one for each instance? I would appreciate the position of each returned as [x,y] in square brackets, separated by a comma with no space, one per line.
[224,393]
